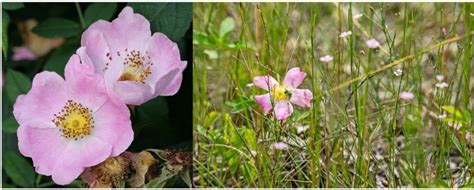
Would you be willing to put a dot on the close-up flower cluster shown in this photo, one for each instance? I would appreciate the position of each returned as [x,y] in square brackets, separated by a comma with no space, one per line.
[87,119]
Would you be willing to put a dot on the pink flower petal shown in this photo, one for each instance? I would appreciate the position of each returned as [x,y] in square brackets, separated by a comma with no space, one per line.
[283,110]
[166,60]
[294,77]
[32,143]
[133,93]
[84,85]
[97,50]
[129,30]
[264,102]
[46,98]
[77,156]
[301,97]
[113,126]
[264,82]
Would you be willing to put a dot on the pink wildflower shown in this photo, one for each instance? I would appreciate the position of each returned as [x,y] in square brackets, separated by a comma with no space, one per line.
[69,125]
[136,65]
[372,43]
[284,94]
[406,95]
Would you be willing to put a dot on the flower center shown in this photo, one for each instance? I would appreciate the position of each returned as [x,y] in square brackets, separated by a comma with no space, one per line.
[137,66]
[74,120]
[280,93]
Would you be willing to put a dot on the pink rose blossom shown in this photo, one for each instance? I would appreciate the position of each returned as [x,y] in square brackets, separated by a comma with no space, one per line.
[136,65]
[284,94]
[69,125]
[372,43]
[406,95]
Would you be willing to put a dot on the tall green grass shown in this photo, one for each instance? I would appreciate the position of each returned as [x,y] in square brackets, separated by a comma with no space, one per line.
[361,134]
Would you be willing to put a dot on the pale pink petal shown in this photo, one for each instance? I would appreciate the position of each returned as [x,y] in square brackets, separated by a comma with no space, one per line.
[85,86]
[167,65]
[283,109]
[129,30]
[264,82]
[301,97]
[97,52]
[264,102]
[78,155]
[112,124]
[45,99]
[23,53]
[133,93]
[32,143]
[66,174]
[294,77]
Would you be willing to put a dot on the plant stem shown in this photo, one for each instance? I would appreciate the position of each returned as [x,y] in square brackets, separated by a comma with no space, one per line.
[81,18]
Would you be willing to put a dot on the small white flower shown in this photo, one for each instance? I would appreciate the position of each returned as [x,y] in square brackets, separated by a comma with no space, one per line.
[345,34]
[301,128]
[441,85]
[406,95]
[372,43]
[250,85]
[326,58]
[472,14]
[442,116]
[439,77]
[398,72]
[357,16]
[280,146]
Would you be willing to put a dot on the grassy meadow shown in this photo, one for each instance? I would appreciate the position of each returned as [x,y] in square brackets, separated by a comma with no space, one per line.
[394,114]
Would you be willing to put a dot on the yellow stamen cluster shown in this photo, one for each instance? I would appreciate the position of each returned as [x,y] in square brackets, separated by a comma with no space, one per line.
[74,120]
[280,93]
[137,66]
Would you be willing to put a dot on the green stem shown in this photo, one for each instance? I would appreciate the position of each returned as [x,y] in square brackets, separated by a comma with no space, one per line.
[81,18]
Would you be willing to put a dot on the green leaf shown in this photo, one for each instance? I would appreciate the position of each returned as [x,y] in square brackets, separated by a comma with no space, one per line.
[9,125]
[172,19]
[58,59]
[18,169]
[452,110]
[57,27]
[227,25]
[16,83]
[12,6]
[97,11]
[5,23]
[242,104]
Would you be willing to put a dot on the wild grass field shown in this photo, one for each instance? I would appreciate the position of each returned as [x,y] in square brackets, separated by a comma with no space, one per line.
[391,87]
